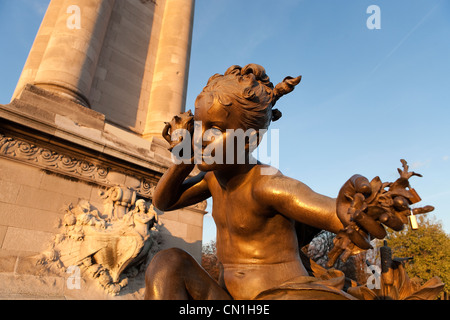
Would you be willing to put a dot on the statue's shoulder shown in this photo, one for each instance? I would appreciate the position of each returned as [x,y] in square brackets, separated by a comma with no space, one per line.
[264,176]
[271,179]
[267,172]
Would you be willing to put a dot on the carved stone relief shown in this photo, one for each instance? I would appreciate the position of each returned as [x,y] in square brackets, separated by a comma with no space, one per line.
[124,235]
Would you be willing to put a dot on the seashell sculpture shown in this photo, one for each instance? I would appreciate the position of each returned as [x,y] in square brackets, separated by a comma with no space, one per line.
[184,121]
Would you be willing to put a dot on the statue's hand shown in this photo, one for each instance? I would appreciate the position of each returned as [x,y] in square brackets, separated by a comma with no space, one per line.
[351,199]
[365,207]
[357,184]
[351,209]
[343,248]
[352,206]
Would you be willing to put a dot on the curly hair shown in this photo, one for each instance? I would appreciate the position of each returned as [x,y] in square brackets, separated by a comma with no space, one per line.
[249,89]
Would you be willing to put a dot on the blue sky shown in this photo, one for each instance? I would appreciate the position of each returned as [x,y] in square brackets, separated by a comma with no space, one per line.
[368,98]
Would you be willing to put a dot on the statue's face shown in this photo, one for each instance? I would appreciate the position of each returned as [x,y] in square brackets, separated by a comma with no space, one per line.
[214,123]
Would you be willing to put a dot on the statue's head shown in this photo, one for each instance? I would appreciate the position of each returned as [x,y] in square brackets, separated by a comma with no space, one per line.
[140,203]
[248,92]
[242,98]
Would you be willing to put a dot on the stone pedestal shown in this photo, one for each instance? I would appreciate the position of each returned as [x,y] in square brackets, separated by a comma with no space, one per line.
[54,152]
[128,60]
[77,126]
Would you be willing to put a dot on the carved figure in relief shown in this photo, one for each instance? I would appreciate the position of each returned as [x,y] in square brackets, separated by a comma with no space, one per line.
[105,244]
[262,219]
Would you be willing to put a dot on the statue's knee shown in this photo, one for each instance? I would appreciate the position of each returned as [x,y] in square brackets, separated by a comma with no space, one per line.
[173,259]
[173,264]
[166,264]
[173,255]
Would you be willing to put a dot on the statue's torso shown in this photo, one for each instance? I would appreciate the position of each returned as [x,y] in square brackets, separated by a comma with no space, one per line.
[256,245]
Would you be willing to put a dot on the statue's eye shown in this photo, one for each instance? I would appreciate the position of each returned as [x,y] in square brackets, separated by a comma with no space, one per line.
[212,134]
[215,132]
[217,129]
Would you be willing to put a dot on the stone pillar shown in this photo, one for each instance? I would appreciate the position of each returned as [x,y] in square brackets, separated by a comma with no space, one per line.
[69,62]
[38,49]
[169,85]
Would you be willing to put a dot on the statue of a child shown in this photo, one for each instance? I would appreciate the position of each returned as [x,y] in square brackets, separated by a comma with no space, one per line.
[256,213]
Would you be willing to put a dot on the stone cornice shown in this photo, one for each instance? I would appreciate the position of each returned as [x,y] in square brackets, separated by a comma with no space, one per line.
[63,122]
[60,137]
[66,164]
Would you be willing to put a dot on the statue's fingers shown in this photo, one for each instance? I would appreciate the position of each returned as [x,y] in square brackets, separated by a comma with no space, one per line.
[341,242]
[358,238]
[392,221]
[333,255]
[165,132]
[361,185]
[344,256]
[422,210]
[373,227]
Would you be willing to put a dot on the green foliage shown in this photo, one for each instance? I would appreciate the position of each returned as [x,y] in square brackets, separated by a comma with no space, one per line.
[429,246]
[209,259]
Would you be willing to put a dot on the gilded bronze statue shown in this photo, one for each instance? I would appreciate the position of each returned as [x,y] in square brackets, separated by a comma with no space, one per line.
[262,216]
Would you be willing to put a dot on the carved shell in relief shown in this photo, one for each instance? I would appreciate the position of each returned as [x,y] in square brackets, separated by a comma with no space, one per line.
[184,121]
[114,249]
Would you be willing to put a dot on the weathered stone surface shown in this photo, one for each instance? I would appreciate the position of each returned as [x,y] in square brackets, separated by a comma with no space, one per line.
[129,61]
[75,128]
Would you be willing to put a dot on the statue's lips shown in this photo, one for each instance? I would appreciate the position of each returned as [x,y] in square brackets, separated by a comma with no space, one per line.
[208,159]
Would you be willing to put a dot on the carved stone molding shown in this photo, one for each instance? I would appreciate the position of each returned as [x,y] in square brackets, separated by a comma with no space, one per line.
[146,1]
[200,206]
[31,153]
[62,163]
